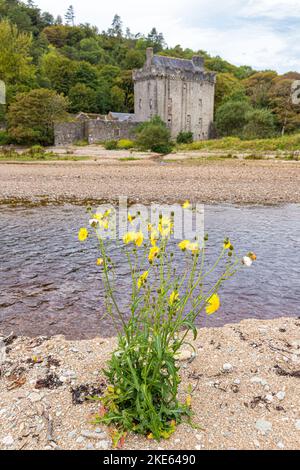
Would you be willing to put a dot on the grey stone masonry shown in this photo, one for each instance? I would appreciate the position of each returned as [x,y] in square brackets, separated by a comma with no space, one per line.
[180,91]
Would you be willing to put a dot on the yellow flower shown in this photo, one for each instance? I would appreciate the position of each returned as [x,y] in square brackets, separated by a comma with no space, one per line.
[226,244]
[165,226]
[139,238]
[107,212]
[142,279]
[130,218]
[99,261]
[188,400]
[184,244]
[153,253]
[186,204]
[213,304]
[193,247]
[154,236]
[173,297]
[252,256]
[82,234]
[104,224]
[129,237]
[98,216]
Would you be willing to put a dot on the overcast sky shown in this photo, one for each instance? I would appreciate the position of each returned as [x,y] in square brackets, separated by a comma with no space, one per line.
[262,33]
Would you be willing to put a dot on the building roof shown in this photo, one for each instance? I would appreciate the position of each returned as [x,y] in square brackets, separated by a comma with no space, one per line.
[122,116]
[176,64]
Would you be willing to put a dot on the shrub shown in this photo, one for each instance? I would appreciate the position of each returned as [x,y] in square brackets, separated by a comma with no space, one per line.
[4,138]
[184,137]
[36,150]
[143,372]
[155,136]
[260,124]
[111,145]
[231,117]
[125,144]
[31,117]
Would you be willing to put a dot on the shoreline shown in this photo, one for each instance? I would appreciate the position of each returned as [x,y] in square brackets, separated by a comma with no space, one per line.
[265,182]
[245,381]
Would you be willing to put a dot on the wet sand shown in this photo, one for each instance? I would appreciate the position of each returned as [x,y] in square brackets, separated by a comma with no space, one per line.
[152,179]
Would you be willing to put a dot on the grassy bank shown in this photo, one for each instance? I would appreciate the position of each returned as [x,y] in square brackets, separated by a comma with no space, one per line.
[285,143]
[31,156]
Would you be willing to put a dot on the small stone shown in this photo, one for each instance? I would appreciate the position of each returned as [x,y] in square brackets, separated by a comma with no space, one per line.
[89,446]
[227,367]
[198,447]
[34,397]
[198,437]
[297,424]
[237,381]
[258,380]
[93,435]
[280,395]
[177,441]
[185,355]
[269,397]
[8,440]
[103,445]
[263,426]
[256,443]
[72,434]
[280,445]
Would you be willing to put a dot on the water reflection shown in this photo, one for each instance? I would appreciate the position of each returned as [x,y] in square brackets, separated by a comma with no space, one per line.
[50,284]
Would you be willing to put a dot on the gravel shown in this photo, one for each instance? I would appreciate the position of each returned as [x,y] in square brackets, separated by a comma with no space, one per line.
[231,410]
[144,181]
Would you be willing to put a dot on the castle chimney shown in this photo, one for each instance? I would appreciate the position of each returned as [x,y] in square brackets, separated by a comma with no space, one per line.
[149,55]
[198,61]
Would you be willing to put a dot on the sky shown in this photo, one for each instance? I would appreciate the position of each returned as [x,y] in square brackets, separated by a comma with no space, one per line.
[262,33]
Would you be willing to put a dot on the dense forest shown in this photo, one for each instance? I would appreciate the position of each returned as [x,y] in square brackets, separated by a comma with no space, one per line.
[74,67]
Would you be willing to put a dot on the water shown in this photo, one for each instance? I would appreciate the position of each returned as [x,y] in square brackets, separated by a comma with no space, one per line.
[50,284]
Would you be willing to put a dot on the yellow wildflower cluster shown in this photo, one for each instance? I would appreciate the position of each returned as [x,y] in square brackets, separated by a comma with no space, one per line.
[133,237]
[190,246]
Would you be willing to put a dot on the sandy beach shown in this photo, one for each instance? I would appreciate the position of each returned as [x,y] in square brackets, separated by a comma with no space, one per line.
[151,179]
[245,380]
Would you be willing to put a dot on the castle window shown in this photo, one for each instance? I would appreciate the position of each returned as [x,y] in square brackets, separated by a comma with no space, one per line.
[184,86]
[140,103]
[200,104]
[150,103]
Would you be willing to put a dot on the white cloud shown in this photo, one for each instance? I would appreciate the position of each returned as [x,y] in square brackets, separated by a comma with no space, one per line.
[260,33]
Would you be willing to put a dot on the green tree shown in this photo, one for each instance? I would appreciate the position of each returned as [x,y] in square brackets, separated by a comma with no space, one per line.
[258,86]
[280,98]
[31,117]
[90,51]
[70,16]
[58,71]
[231,117]
[15,60]
[116,28]
[226,85]
[82,98]
[155,136]
[260,124]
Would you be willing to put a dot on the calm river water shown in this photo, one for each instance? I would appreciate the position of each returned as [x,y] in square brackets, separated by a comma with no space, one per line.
[49,283]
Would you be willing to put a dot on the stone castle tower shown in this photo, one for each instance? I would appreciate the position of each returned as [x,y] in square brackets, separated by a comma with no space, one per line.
[180,91]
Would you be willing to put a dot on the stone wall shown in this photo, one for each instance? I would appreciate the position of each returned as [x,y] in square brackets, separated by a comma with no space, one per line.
[100,131]
[94,130]
[66,133]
